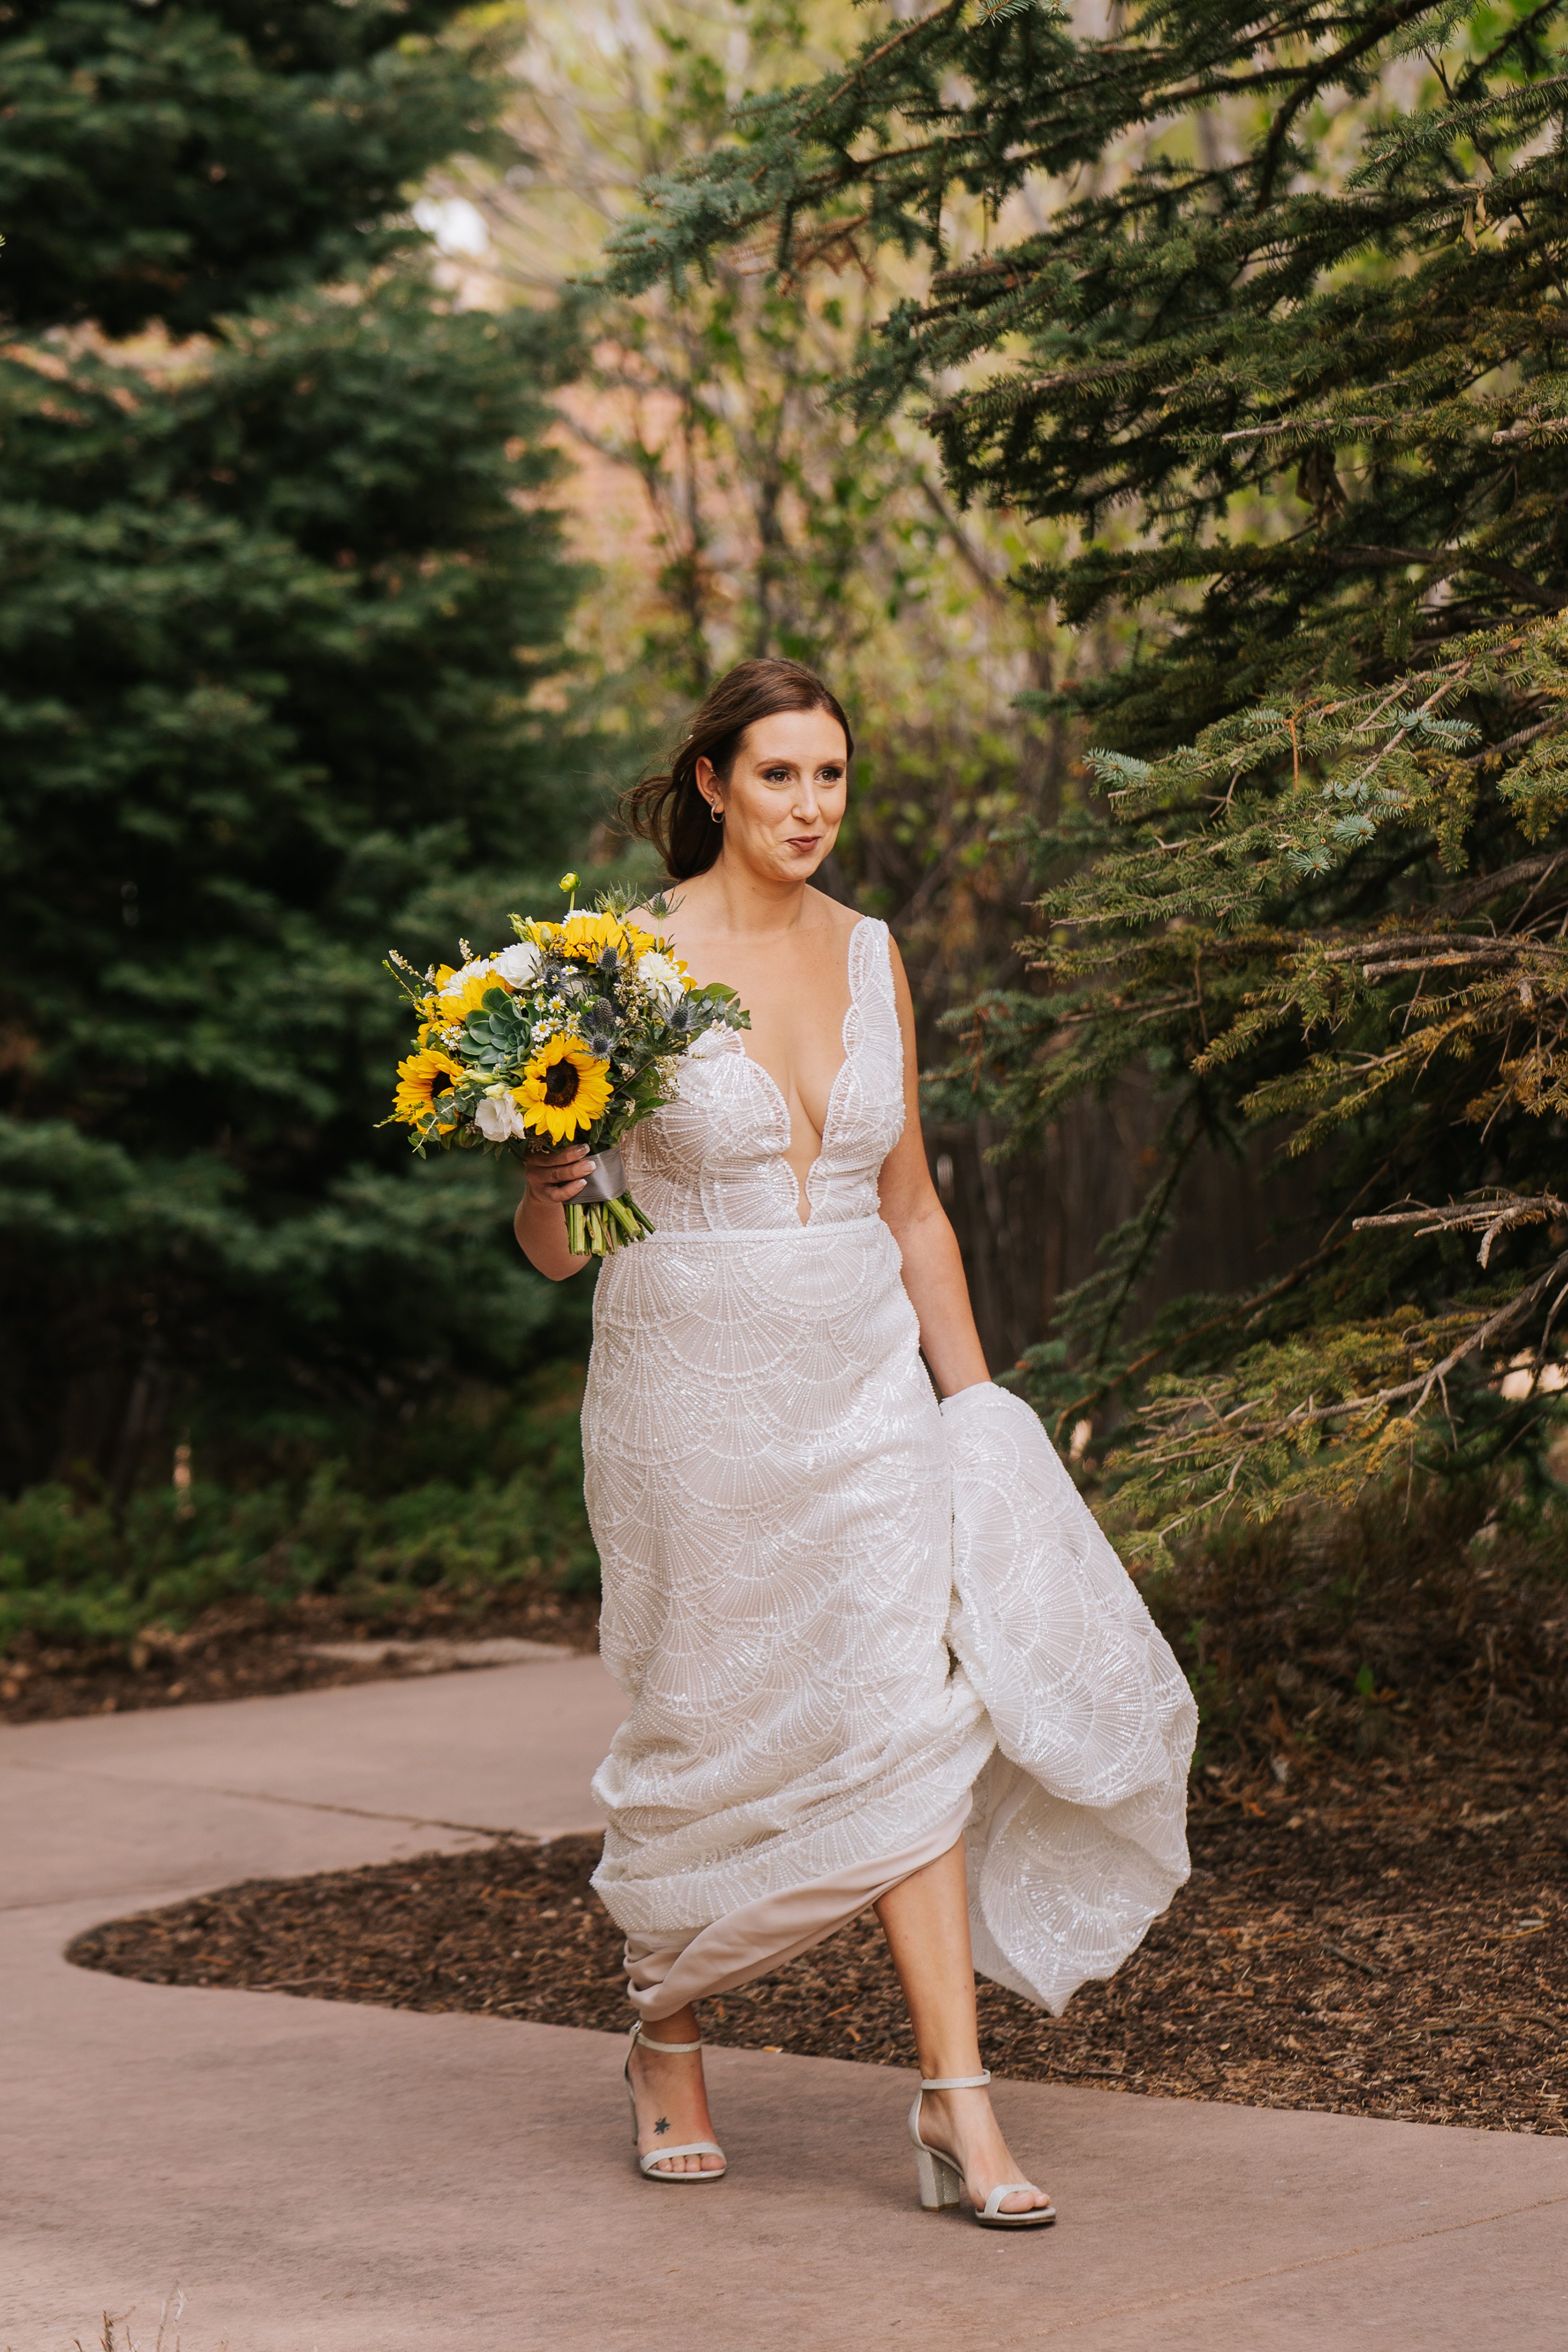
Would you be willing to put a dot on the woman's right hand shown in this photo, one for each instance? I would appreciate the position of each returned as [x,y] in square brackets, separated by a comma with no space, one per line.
[553,1178]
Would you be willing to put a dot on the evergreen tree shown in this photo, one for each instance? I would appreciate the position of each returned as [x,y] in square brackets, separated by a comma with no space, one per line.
[1283,341]
[179,163]
[279,594]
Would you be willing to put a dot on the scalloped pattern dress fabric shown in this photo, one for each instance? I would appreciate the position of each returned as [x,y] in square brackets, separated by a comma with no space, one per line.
[853,1625]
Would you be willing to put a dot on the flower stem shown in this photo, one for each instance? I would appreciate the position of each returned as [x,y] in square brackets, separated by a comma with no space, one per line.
[601,1227]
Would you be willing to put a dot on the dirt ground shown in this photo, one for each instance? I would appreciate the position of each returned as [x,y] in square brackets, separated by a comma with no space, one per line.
[1394,1943]
[246,1649]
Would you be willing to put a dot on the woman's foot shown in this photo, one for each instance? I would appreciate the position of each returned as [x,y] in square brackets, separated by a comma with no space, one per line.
[672,2101]
[962,2124]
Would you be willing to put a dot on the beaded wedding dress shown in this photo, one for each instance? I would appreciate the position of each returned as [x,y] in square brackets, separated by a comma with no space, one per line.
[853,1626]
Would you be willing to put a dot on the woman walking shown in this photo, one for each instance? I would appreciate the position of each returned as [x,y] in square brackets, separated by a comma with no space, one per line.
[877,1650]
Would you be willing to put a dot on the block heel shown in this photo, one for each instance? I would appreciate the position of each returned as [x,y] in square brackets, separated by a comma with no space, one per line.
[941,2176]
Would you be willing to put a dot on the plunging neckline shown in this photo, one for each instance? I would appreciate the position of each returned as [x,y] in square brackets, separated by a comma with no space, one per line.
[803,1192]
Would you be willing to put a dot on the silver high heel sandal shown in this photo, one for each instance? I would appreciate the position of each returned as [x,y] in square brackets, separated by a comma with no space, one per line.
[649,2165]
[942,2180]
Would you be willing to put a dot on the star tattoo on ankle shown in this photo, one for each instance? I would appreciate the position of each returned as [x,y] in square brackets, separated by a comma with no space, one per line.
[662,2125]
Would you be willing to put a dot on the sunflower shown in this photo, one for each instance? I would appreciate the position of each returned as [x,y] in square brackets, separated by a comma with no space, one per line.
[422,1081]
[585,937]
[464,992]
[564,1089]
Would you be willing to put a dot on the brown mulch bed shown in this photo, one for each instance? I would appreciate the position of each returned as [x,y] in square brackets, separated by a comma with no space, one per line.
[248,1649]
[1395,1947]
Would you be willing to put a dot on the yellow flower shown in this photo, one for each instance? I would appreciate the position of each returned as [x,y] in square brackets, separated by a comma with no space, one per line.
[422,1080]
[435,982]
[455,1004]
[585,937]
[564,1089]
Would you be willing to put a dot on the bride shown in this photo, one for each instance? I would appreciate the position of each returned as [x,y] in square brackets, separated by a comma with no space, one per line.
[876,1651]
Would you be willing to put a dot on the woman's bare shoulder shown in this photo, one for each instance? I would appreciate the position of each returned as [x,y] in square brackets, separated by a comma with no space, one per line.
[830,914]
[647,919]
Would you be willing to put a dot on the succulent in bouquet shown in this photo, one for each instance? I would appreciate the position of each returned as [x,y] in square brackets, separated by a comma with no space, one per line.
[571,1034]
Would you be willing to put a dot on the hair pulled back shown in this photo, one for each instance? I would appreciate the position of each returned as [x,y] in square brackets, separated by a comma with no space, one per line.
[668,809]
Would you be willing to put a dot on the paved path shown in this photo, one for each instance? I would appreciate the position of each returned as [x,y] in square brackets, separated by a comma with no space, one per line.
[323,2179]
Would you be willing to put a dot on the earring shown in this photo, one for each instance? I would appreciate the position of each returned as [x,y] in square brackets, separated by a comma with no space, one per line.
[716,814]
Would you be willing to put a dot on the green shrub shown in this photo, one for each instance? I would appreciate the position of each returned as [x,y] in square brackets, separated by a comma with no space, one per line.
[1378,1630]
[506,1512]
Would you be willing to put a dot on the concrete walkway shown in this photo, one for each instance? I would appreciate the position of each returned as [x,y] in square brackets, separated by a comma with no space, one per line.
[313,2175]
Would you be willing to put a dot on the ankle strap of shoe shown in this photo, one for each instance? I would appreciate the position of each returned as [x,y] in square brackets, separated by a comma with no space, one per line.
[957,2081]
[669,2049]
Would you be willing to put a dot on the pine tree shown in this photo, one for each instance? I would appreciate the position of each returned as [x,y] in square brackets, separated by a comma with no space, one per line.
[279,589]
[1279,334]
[178,163]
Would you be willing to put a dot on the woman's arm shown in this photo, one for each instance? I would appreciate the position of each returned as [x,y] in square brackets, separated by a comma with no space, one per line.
[933,1271]
[551,1178]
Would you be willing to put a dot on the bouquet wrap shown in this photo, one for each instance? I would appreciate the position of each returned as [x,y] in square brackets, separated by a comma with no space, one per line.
[607,1179]
[571,1035]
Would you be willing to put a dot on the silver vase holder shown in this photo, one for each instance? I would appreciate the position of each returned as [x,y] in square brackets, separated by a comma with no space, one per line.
[607,1179]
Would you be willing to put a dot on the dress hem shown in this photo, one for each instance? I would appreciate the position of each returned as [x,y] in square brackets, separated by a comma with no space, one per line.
[665,1972]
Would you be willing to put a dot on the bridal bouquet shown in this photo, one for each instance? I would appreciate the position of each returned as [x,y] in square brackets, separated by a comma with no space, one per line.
[569,1036]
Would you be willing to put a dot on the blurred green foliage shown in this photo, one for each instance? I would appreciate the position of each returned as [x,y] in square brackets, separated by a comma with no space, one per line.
[180,164]
[502,1510]
[285,604]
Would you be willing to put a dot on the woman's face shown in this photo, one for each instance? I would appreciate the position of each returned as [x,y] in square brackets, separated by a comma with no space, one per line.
[784,799]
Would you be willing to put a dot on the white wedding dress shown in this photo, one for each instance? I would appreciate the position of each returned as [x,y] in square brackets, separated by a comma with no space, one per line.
[853,1626]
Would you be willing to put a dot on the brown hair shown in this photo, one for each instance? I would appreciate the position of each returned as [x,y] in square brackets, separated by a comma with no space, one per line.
[668,809]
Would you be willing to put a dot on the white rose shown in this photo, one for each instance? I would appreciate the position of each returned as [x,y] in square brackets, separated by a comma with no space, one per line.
[498,1118]
[460,979]
[519,964]
[663,976]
